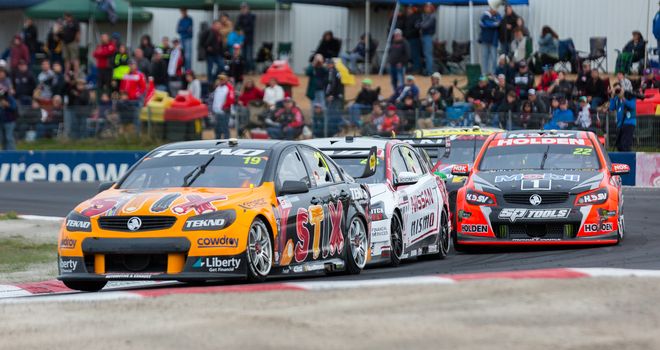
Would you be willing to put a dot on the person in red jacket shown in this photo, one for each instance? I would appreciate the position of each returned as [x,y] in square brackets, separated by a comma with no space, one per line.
[547,79]
[250,93]
[288,122]
[134,85]
[390,122]
[102,54]
[18,51]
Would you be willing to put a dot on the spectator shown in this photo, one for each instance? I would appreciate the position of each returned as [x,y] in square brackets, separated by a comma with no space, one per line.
[364,101]
[175,67]
[144,65]
[18,51]
[507,26]
[246,21]
[214,52]
[45,79]
[504,67]
[202,37]
[482,91]
[548,53]
[318,80]
[147,47]
[625,106]
[584,115]
[509,105]
[185,30]
[159,70]
[411,33]
[390,123]
[251,93]
[562,118]
[273,94]
[8,112]
[397,57]
[407,109]
[625,82]
[596,90]
[59,80]
[649,81]
[408,89]
[636,47]
[536,104]
[358,53]
[237,67]
[134,85]
[166,48]
[446,93]
[488,38]
[548,79]
[24,84]
[562,86]
[6,84]
[103,53]
[434,107]
[288,123]
[523,80]
[427,28]
[223,99]
[525,117]
[79,108]
[52,119]
[334,92]
[120,64]
[518,46]
[370,122]
[583,78]
[96,123]
[226,26]
[235,39]
[329,46]
[502,88]
[193,85]
[70,38]
[54,45]
[656,28]
[30,36]
[520,23]
[554,104]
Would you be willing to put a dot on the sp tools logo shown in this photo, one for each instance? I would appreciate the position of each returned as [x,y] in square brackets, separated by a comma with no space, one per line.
[217,242]
[513,214]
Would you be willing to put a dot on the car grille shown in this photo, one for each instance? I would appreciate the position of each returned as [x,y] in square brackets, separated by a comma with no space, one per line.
[526,231]
[135,263]
[149,223]
[546,198]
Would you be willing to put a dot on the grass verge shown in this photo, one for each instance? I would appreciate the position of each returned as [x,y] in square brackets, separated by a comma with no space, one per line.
[16,254]
[11,215]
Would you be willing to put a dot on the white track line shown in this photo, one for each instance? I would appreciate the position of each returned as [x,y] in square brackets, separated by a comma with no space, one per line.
[382,282]
[41,218]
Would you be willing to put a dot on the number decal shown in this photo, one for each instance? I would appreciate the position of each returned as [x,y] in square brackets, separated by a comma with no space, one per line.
[251,160]
[580,151]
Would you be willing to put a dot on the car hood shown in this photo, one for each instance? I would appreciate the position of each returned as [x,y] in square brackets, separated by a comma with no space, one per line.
[178,201]
[536,180]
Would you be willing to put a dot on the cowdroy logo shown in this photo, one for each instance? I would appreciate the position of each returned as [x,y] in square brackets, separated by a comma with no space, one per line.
[535,199]
[217,242]
[134,223]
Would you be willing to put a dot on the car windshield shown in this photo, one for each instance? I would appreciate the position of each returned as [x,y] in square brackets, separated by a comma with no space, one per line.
[540,157]
[464,151]
[354,166]
[231,168]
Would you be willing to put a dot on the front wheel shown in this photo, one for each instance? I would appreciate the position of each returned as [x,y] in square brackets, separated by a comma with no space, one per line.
[259,252]
[396,241]
[85,286]
[621,230]
[356,255]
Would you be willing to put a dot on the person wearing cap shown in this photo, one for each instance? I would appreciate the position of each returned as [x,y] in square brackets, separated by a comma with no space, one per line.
[364,101]
[409,89]
[6,85]
[447,94]
[390,123]
[159,71]
[24,84]
[246,21]
[636,47]
[71,38]
[185,30]
[537,104]
[17,52]
[223,99]
[523,80]
[102,54]
[427,28]
[649,81]
[481,91]
[288,121]
[489,38]
[583,120]
[548,78]
[318,80]
[397,58]
[562,118]
[134,85]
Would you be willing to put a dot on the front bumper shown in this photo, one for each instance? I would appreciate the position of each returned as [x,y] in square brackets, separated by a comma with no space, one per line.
[608,238]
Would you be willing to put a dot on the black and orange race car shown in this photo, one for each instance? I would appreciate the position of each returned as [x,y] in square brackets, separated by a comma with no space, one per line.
[210,210]
[540,188]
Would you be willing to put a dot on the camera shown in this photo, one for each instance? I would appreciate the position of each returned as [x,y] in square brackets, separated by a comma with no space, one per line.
[629,95]
[617,91]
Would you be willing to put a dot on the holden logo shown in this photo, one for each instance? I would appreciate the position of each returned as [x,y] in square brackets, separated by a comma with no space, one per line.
[535,200]
[134,223]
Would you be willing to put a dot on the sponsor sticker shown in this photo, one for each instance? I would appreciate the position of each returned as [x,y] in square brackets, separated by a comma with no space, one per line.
[513,214]
[218,264]
[540,141]
[253,204]
[605,227]
[67,243]
[245,152]
[217,242]
[139,276]
[78,225]
[358,193]
[471,228]
[68,265]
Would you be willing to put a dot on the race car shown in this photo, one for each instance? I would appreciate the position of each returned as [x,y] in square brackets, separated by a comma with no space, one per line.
[540,188]
[409,210]
[211,210]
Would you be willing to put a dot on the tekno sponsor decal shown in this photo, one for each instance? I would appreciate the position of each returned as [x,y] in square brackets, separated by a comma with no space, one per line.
[513,214]
[208,152]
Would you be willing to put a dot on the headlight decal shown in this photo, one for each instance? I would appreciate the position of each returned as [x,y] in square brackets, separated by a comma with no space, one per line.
[594,197]
[213,221]
[76,222]
[475,197]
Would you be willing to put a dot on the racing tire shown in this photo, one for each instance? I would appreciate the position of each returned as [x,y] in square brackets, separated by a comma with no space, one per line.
[356,247]
[396,241]
[620,233]
[457,246]
[259,252]
[85,286]
[444,238]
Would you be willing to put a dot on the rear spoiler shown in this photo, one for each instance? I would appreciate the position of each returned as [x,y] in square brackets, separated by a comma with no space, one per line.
[432,146]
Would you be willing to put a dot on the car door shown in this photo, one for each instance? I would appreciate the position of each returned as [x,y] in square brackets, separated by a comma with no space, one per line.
[291,209]
[422,222]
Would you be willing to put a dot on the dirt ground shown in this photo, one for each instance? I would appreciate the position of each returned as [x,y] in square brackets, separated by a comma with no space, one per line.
[36,231]
[532,314]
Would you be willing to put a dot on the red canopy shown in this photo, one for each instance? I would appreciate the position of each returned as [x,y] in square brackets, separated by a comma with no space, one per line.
[282,72]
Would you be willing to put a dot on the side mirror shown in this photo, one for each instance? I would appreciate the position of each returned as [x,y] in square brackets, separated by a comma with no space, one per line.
[620,169]
[406,178]
[105,186]
[460,170]
[370,166]
[293,187]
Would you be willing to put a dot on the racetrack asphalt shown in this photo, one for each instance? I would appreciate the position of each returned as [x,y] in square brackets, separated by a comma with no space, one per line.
[639,250]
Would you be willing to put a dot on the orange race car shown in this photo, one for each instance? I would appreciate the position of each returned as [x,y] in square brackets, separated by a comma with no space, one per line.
[210,210]
[540,188]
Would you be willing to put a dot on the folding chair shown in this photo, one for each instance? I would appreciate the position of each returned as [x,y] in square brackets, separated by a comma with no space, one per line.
[460,52]
[440,55]
[284,50]
[567,55]
[597,53]
[373,48]
[473,73]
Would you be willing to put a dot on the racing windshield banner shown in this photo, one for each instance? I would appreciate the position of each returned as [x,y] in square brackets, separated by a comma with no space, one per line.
[65,166]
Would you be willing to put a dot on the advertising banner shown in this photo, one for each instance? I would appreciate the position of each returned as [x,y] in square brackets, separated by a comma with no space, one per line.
[648,170]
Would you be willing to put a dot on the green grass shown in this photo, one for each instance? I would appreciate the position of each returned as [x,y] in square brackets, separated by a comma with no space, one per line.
[16,254]
[9,216]
[121,143]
